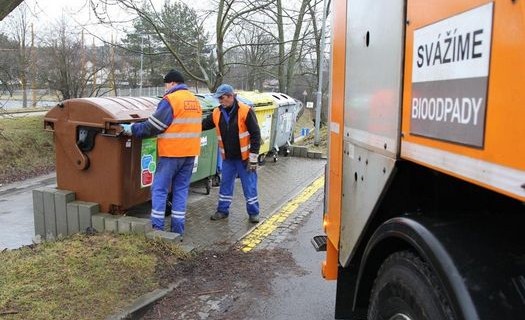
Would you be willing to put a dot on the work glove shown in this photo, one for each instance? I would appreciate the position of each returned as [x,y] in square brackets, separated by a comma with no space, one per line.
[252,164]
[126,129]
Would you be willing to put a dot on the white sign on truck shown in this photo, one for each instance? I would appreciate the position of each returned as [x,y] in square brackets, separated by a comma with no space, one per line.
[450,71]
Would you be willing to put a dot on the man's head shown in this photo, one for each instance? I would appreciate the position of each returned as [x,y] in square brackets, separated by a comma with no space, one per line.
[225,94]
[173,77]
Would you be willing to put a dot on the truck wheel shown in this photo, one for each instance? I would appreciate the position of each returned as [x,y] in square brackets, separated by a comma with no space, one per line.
[406,288]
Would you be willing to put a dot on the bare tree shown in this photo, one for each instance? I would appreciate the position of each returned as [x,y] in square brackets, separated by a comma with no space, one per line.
[252,60]
[319,54]
[292,53]
[19,25]
[153,40]
[204,62]
[175,29]
[71,68]
[8,65]
[288,26]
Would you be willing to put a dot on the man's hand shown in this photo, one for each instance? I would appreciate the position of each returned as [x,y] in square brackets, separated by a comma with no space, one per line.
[253,163]
[126,129]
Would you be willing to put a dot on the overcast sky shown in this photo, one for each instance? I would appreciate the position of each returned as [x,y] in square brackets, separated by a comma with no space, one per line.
[77,13]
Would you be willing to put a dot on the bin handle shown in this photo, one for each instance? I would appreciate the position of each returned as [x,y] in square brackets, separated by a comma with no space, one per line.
[68,143]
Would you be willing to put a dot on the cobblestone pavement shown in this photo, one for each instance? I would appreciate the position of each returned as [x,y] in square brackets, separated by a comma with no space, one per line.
[278,183]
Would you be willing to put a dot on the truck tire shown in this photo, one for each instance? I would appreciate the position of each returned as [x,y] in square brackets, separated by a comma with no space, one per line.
[407,289]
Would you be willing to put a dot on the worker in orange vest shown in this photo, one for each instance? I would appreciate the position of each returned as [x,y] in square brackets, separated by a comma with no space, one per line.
[177,124]
[239,138]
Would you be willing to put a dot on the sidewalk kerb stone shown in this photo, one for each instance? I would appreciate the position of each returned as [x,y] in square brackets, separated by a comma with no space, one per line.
[144,301]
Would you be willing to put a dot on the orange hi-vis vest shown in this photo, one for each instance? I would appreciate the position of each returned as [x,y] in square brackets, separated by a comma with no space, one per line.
[183,137]
[244,135]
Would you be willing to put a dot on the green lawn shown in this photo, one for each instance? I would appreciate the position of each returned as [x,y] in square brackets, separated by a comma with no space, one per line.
[82,277]
[26,150]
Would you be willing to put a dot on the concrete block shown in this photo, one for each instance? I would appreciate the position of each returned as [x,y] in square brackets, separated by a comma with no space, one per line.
[98,221]
[299,151]
[49,214]
[163,235]
[73,225]
[137,225]
[85,211]
[124,225]
[38,213]
[62,198]
[303,151]
[111,224]
[147,227]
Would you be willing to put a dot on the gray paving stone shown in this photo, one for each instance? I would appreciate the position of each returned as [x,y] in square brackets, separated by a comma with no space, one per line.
[111,223]
[278,183]
[38,213]
[49,214]
[98,221]
[163,235]
[62,198]
[73,225]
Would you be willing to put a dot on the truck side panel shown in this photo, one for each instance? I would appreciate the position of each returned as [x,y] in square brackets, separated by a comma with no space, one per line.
[460,107]
[374,53]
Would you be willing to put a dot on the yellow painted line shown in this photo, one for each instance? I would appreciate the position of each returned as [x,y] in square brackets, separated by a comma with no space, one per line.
[264,229]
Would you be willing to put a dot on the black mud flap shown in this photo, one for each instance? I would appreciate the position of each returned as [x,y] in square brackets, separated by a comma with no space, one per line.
[319,243]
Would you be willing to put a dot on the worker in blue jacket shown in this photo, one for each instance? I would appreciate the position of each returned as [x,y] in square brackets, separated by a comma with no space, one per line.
[177,124]
[239,139]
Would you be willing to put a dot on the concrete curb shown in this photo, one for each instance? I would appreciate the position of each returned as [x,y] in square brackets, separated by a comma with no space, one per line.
[302,151]
[142,303]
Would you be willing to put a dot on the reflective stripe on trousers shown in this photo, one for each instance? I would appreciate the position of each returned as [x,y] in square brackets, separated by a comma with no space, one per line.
[230,170]
[171,174]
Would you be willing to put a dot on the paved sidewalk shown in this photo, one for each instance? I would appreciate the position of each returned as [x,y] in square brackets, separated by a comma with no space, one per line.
[278,183]
[16,211]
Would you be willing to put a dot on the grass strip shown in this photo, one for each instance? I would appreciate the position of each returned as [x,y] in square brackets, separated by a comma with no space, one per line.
[81,277]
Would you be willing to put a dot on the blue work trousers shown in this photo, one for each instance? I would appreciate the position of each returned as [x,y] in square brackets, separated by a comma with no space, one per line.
[172,174]
[230,170]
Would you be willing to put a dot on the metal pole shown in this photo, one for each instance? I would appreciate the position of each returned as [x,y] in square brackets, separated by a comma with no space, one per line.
[320,85]
[141,62]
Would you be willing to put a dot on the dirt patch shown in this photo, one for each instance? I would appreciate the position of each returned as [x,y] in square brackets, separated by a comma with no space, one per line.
[221,285]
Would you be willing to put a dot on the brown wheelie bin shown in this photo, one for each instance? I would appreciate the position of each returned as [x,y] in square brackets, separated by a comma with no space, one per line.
[93,159]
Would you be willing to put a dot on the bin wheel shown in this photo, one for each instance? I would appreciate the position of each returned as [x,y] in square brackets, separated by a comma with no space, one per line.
[274,158]
[208,185]
[261,158]
[216,180]
[286,152]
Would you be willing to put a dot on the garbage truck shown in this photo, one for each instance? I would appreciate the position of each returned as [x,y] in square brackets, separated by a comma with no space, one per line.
[424,214]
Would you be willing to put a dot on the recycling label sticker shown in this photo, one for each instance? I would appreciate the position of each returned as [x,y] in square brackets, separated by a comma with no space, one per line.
[148,161]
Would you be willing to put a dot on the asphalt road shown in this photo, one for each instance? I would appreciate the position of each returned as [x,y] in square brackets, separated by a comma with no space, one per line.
[305,295]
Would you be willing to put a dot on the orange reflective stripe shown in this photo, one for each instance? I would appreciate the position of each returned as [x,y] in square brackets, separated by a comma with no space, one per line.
[182,137]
